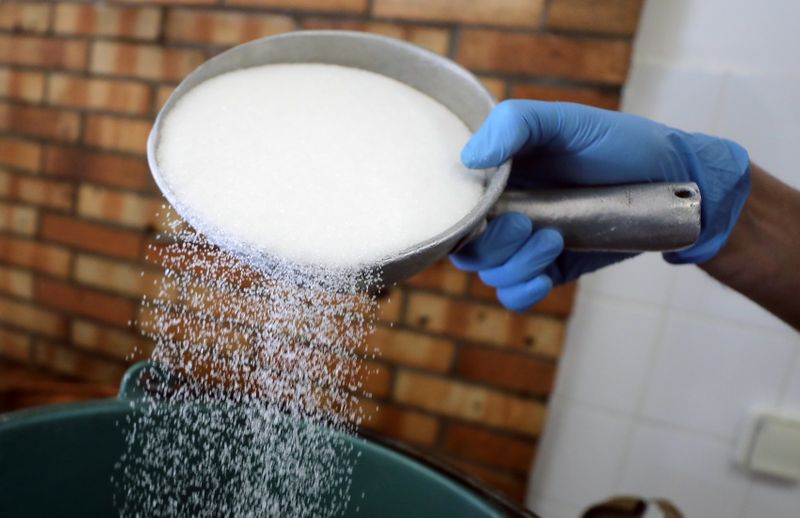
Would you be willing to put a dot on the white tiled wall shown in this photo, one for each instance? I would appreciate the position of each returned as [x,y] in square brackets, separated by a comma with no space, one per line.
[663,364]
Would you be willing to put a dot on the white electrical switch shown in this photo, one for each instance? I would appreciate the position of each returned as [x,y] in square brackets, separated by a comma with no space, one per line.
[773,447]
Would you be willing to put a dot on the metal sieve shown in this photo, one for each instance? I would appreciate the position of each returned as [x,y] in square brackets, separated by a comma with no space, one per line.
[645,217]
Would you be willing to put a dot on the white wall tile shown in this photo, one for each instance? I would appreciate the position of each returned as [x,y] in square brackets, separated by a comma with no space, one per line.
[580,454]
[550,509]
[698,293]
[608,349]
[709,374]
[773,499]
[736,35]
[660,22]
[790,400]
[762,113]
[645,278]
[654,90]
[730,68]
[692,471]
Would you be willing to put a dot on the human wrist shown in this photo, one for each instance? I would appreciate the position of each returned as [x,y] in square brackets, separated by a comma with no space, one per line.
[761,256]
[721,168]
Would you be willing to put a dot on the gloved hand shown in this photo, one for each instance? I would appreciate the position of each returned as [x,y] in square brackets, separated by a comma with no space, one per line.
[566,144]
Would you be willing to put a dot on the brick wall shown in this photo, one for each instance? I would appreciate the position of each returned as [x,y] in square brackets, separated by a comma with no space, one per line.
[79,86]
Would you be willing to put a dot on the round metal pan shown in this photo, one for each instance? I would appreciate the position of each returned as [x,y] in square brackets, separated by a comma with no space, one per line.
[629,218]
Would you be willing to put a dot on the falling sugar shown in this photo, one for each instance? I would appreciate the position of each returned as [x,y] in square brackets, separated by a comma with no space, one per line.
[257,380]
[258,373]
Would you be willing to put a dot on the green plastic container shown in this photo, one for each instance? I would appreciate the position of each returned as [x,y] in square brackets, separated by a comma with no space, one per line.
[58,461]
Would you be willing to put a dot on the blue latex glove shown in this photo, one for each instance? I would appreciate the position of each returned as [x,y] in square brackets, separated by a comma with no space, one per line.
[566,144]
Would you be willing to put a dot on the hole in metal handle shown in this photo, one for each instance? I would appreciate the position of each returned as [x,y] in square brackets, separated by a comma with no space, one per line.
[684,193]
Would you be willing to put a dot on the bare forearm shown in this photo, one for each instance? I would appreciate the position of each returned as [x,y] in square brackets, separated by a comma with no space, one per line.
[761,259]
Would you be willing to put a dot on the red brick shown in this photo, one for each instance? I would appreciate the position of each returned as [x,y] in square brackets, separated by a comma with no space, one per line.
[42,387]
[108,20]
[483,323]
[497,87]
[92,237]
[526,13]
[224,303]
[36,191]
[409,348]
[42,52]
[488,447]
[201,262]
[85,302]
[506,370]
[184,325]
[19,153]
[124,208]
[173,2]
[164,91]
[27,17]
[109,341]
[558,302]
[336,6]
[145,61]
[16,282]
[16,346]
[228,28]
[18,219]
[229,339]
[40,257]
[376,378]
[124,278]
[432,38]
[149,322]
[117,134]
[469,402]
[99,94]
[19,84]
[400,423]
[39,122]
[98,167]
[442,277]
[593,97]
[603,16]
[591,59]
[73,363]
[390,306]
[32,318]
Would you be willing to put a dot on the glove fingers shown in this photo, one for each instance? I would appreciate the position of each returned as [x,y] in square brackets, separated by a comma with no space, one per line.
[503,236]
[511,126]
[517,125]
[538,252]
[521,297]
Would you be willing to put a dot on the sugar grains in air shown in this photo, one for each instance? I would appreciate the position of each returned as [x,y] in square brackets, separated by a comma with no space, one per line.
[315,163]
[261,376]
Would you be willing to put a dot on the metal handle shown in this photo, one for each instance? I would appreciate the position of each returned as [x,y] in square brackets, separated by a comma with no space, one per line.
[624,218]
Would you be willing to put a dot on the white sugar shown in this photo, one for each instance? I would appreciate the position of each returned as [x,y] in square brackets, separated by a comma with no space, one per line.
[258,385]
[317,164]
[259,375]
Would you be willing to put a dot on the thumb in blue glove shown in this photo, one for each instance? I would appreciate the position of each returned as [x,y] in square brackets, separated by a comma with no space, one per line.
[565,144]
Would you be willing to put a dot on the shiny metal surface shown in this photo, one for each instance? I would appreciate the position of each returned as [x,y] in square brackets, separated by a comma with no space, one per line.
[434,75]
[628,218]
[464,95]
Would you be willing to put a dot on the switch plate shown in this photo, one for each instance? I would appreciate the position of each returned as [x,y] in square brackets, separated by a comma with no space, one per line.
[772,446]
